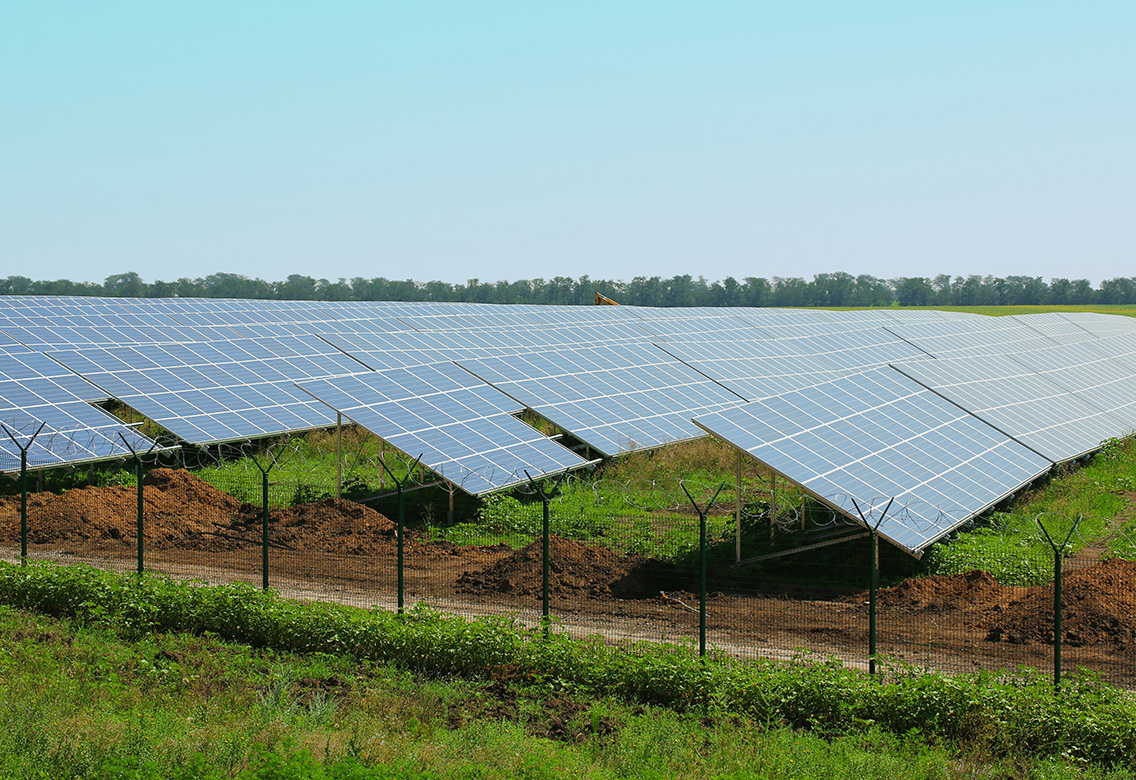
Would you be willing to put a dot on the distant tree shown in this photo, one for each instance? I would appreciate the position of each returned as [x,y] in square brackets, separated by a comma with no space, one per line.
[297,288]
[756,291]
[789,291]
[1082,291]
[871,291]
[914,291]
[941,284]
[1118,291]
[836,289]
[127,285]
[16,285]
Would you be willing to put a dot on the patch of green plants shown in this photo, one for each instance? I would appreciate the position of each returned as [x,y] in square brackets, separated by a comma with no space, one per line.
[1000,715]
[305,469]
[1012,545]
[80,701]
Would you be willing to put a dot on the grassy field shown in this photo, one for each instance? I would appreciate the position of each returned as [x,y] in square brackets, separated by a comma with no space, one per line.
[117,690]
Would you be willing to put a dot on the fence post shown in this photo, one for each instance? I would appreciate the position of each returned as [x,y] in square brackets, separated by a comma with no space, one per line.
[265,468]
[546,496]
[140,474]
[1058,556]
[873,579]
[23,507]
[701,563]
[23,487]
[264,530]
[401,524]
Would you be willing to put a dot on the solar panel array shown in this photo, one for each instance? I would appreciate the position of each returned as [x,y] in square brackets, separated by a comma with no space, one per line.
[613,378]
[861,441]
[211,392]
[460,427]
[1020,402]
[616,398]
[47,410]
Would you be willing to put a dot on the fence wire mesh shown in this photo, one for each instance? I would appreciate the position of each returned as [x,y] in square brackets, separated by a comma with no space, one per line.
[785,575]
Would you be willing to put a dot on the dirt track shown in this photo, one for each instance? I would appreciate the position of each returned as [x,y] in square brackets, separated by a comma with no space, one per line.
[337,550]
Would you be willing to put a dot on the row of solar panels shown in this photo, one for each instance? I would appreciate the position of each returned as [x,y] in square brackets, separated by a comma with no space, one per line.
[451,379]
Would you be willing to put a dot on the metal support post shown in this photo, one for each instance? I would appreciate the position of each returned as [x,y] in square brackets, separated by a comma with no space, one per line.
[873,579]
[1058,556]
[546,496]
[269,464]
[339,455]
[702,543]
[401,525]
[23,448]
[738,512]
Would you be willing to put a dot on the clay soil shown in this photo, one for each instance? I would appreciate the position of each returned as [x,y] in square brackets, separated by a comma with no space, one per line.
[338,550]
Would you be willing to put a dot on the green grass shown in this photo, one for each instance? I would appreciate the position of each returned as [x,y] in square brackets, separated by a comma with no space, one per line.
[1013,547]
[305,468]
[100,693]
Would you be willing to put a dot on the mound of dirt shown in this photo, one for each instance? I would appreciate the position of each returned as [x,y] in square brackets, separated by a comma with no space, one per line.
[333,524]
[183,510]
[176,505]
[973,592]
[1099,609]
[575,569]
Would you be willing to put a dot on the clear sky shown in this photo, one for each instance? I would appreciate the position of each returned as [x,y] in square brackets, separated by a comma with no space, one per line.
[458,140]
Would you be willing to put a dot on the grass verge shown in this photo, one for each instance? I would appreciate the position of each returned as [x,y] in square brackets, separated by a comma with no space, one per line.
[1000,716]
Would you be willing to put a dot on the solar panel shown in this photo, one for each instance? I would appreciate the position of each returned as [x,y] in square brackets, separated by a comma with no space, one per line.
[958,338]
[214,392]
[462,428]
[1018,401]
[869,438]
[1105,382]
[1101,324]
[615,398]
[35,391]
[755,370]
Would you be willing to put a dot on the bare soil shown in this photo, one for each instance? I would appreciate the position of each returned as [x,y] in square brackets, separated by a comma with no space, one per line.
[338,550]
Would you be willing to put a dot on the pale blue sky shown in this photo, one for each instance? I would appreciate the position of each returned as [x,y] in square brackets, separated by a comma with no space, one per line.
[436,140]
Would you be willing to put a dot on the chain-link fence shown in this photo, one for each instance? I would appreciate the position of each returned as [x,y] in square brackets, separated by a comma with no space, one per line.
[753,573]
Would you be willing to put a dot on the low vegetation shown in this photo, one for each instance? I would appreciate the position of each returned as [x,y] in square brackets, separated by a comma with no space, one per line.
[110,675]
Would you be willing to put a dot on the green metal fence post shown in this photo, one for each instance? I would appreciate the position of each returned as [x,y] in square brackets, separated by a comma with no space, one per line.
[140,473]
[400,561]
[873,579]
[400,564]
[546,497]
[1058,556]
[702,583]
[23,507]
[702,542]
[544,618]
[23,448]
[265,468]
[264,530]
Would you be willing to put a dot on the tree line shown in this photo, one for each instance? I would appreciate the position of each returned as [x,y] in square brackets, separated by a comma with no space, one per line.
[824,290]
